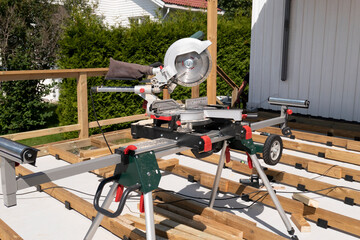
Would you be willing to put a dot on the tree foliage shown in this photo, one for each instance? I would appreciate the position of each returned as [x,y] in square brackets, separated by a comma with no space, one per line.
[29,33]
[88,43]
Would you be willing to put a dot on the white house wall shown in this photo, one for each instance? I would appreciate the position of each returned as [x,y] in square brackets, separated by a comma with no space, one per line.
[324,59]
[119,11]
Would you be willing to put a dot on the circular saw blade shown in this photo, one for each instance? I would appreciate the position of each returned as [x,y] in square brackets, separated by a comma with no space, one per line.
[192,68]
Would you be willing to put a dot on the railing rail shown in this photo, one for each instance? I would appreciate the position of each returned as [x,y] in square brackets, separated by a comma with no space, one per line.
[81,76]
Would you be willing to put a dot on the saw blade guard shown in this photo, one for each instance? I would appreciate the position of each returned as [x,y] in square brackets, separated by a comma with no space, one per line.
[188,61]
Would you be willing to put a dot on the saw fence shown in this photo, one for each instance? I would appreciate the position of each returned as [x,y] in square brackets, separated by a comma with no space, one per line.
[188,220]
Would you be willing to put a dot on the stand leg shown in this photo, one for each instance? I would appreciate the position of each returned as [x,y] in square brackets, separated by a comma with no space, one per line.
[99,217]
[218,175]
[149,216]
[8,181]
[272,194]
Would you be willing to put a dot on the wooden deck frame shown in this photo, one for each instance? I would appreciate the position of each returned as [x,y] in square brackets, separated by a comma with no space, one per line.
[7,233]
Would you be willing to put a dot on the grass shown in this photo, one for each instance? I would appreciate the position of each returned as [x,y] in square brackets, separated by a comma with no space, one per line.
[43,140]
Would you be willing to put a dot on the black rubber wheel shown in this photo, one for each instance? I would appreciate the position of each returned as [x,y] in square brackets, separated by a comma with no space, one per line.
[272,151]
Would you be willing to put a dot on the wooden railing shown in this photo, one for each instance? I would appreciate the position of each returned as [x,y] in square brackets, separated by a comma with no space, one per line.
[83,124]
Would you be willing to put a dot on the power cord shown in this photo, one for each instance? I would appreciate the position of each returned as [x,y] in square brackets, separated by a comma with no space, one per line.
[94,111]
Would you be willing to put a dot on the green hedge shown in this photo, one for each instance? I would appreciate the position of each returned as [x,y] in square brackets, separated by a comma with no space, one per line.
[88,43]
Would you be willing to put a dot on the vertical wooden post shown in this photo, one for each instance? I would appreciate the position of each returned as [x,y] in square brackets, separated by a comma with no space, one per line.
[82,104]
[166,94]
[212,36]
[195,91]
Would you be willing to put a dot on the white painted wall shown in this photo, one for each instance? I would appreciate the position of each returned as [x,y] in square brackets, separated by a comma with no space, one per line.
[119,11]
[324,58]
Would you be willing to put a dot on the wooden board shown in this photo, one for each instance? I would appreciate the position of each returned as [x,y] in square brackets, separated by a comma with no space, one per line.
[7,233]
[117,226]
[353,145]
[300,223]
[320,168]
[305,200]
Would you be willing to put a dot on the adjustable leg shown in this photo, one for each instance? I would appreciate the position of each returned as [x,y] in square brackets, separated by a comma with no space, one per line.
[272,194]
[99,217]
[218,175]
[8,181]
[149,216]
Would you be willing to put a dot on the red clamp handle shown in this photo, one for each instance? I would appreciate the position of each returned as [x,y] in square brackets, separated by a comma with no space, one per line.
[129,148]
[141,206]
[119,193]
[249,161]
[227,154]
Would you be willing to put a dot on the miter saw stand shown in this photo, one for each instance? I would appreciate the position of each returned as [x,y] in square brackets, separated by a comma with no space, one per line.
[203,128]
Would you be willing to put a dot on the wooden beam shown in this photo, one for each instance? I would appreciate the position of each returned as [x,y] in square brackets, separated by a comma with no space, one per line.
[7,233]
[300,223]
[166,94]
[162,230]
[293,160]
[159,219]
[64,155]
[118,120]
[212,36]
[43,74]
[82,105]
[188,209]
[335,220]
[334,154]
[320,168]
[353,145]
[117,226]
[305,200]
[201,223]
[195,91]
[42,132]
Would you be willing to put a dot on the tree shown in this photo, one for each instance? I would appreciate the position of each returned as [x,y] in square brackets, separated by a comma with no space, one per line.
[236,7]
[29,33]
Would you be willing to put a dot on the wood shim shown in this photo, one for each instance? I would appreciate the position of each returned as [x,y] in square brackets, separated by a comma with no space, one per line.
[306,200]
[300,223]
[7,233]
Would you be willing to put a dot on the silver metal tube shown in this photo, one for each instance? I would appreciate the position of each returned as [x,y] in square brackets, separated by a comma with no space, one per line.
[149,216]
[67,171]
[267,123]
[114,89]
[8,181]
[99,217]
[289,102]
[218,175]
[271,192]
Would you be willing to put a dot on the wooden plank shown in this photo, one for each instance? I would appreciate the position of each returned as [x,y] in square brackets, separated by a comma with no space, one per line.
[300,223]
[335,220]
[348,157]
[117,226]
[72,144]
[169,163]
[195,91]
[208,180]
[305,200]
[162,230]
[195,222]
[159,219]
[293,160]
[118,120]
[189,208]
[105,150]
[64,155]
[331,171]
[7,233]
[341,142]
[335,154]
[42,132]
[82,105]
[353,145]
[166,94]
[212,36]
[56,73]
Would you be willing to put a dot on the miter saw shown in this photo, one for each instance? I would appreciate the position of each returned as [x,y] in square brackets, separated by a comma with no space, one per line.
[173,127]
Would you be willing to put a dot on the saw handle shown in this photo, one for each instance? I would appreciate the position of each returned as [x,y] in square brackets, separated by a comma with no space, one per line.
[122,200]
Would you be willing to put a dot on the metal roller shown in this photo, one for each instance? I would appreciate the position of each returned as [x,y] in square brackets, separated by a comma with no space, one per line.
[17,151]
[289,102]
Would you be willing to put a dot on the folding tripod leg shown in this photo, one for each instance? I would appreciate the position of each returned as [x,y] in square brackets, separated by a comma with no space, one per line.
[218,175]
[99,217]
[149,216]
[272,194]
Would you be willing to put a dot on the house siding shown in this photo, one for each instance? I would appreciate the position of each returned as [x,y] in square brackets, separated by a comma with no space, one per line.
[323,62]
[119,11]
